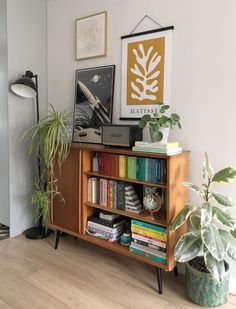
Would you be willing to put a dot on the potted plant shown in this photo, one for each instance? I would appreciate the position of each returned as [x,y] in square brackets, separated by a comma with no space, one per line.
[49,143]
[159,124]
[206,244]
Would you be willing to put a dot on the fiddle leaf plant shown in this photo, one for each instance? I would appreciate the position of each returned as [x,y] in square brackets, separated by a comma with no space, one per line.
[205,238]
[160,120]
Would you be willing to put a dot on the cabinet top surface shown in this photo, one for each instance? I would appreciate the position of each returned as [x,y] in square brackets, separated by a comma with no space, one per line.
[125,151]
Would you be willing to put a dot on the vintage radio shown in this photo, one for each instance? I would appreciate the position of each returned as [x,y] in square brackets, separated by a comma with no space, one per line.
[121,135]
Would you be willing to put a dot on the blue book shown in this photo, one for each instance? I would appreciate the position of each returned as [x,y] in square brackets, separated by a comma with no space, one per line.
[154,170]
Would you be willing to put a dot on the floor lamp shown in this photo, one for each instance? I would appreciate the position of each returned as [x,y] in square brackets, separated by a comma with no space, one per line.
[27,88]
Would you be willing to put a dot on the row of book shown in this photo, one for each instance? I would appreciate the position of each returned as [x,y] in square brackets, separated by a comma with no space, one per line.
[148,240]
[144,169]
[113,194]
[106,226]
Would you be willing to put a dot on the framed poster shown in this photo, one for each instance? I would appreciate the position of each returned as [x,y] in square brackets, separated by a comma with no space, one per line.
[94,89]
[146,72]
[91,36]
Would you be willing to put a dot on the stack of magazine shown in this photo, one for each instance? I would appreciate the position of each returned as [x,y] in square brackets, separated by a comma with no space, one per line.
[169,148]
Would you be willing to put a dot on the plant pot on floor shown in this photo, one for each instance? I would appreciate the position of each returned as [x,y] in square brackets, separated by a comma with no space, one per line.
[205,290]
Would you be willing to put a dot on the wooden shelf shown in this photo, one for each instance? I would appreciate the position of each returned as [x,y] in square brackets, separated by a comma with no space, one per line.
[143,216]
[97,174]
[117,247]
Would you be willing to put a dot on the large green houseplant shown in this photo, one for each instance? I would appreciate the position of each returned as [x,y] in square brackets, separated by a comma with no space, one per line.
[160,121]
[209,239]
[49,144]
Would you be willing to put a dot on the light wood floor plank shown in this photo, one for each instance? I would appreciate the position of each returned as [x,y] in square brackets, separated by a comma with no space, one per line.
[80,275]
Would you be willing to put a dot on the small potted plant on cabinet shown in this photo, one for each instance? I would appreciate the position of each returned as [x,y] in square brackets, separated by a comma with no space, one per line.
[49,143]
[206,244]
[159,124]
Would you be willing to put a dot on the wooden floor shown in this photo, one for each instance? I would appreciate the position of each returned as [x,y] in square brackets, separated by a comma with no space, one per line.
[80,275]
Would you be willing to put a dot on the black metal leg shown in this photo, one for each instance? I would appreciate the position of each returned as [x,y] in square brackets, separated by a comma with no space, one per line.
[176,271]
[159,279]
[58,233]
[76,238]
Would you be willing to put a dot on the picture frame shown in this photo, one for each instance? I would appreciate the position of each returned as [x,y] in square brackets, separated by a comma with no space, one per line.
[94,88]
[91,36]
[146,72]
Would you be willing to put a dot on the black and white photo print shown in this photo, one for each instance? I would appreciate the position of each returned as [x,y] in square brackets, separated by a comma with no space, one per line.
[93,102]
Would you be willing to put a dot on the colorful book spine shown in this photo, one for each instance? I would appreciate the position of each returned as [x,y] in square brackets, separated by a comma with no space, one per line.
[153,257]
[149,226]
[149,239]
[132,167]
[146,244]
[148,249]
[122,166]
[148,232]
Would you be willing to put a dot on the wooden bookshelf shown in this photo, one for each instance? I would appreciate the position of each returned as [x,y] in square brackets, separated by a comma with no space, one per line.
[73,184]
[160,219]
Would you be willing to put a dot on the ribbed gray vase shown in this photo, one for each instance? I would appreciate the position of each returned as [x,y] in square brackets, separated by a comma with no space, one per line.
[204,290]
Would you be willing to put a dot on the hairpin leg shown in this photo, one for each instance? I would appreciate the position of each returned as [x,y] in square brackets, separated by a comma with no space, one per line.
[176,271]
[159,279]
[57,237]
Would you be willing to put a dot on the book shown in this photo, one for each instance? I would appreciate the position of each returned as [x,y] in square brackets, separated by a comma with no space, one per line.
[132,167]
[146,244]
[148,249]
[106,228]
[120,195]
[158,150]
[168,145]
[148,232]
[108,216]
[122,165]
[153,227]
[149,239]
[113,223]
[153,257]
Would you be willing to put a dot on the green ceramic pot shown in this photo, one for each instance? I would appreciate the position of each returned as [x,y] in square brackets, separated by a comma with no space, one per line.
[204,290]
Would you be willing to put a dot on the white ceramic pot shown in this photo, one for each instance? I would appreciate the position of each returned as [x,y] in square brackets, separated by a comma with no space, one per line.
[164,131]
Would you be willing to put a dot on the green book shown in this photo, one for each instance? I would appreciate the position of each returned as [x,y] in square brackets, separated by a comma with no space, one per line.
[132,167]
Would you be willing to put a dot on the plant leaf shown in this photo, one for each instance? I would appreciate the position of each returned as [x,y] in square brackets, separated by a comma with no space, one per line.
[175,117]
[188,247]
[182,217]
[225,175]
[223,217]
[206,214]
[195,221]
[229,249]
[207,168]
[233,233]
[223,200]
[212,241]
[163,108]
[216,268]
[193,187]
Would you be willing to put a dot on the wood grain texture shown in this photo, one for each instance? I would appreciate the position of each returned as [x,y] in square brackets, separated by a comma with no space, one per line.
[77,276]
[66,214]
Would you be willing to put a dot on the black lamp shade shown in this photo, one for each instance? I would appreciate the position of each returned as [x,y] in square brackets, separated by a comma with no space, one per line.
[24,87]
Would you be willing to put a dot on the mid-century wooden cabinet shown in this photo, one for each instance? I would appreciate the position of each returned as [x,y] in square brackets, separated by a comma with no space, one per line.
[71,216]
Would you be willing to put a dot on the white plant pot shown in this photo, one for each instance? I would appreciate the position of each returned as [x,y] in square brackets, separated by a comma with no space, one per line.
[164,131]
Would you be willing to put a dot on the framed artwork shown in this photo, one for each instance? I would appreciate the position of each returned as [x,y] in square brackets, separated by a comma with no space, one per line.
[146,72]
[94,89]
[91,36]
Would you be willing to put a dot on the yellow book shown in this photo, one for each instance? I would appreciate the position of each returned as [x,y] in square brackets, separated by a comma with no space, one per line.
[148,232]
[122,166]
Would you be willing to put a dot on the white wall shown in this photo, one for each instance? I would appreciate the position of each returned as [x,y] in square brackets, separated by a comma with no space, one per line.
[26,21]
[204,68]
[4,151]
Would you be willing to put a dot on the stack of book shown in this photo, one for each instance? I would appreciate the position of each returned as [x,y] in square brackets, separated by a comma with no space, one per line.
[169,148]
[148,240]
[107,226]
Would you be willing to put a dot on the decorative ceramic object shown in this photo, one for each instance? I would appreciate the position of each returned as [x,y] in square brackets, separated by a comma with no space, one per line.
[152,203]
[125,239]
